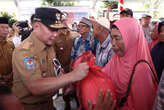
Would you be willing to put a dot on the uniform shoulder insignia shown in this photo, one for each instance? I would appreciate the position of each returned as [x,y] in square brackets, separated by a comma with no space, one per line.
[27,45]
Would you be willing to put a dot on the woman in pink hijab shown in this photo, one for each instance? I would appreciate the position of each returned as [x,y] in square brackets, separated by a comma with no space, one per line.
[130,46]
[154,36]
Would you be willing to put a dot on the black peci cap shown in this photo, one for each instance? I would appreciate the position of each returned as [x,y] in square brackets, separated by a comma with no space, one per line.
[51,17]
[4,20]
[127,11]
[22,24]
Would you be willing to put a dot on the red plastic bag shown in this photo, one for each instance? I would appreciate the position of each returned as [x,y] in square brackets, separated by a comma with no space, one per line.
[89,88]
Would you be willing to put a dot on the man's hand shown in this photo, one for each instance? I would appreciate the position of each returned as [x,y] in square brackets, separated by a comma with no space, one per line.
[105,103]
[80,72]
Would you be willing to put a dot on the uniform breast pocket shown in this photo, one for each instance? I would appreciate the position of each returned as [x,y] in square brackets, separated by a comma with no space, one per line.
[10,51]
[43,66]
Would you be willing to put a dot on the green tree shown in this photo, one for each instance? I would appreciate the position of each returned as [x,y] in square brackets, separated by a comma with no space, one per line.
[107,3]
[152,6]
[57,3]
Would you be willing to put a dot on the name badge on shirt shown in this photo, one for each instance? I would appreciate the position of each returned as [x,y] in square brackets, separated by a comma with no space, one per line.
[29,63]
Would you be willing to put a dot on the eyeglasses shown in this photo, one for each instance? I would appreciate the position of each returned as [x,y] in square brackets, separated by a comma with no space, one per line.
[81,26]
[57,66]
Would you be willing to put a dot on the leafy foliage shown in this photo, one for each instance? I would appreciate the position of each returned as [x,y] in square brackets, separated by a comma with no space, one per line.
[107,3]
[57,3]
[11,17]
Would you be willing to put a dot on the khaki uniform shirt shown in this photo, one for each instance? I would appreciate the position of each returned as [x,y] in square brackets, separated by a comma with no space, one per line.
[32,60]
[6,50]
[63,47]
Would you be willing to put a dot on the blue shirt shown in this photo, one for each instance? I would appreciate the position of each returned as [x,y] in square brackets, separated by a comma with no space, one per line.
[80,46]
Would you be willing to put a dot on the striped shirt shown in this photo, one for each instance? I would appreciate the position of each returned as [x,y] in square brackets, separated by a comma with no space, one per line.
[104,52]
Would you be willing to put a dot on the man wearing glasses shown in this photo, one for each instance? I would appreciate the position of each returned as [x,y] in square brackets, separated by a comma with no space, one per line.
[33,63]
[86,42]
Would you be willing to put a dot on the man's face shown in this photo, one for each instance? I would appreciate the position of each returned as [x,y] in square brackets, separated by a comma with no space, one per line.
[146,21]
[83,28]
[4,31]
[161,34]
[63,32]
[16,28]
[46,35]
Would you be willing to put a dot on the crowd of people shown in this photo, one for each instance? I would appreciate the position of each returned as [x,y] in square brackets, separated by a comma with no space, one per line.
[37,57]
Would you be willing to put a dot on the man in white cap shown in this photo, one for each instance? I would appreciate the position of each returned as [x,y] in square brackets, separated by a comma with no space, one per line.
[147,28]
[104,50]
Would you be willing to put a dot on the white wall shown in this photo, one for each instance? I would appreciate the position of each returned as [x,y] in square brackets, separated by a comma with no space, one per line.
[8,5]
[23,11]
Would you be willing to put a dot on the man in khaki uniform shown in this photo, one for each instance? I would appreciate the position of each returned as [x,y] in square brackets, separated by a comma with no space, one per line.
[6,50]
[34,61]
[63,44]
[63,47]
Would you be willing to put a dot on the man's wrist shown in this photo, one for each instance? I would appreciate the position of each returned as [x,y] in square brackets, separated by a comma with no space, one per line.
[70,77]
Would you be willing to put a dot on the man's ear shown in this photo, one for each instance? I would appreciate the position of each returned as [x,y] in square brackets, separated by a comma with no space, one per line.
[36,25]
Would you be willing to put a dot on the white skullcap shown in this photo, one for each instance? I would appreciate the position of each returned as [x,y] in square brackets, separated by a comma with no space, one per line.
[104,22]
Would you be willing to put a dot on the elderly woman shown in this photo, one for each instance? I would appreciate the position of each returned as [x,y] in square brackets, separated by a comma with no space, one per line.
[130,46]
[154,36]
[157,52]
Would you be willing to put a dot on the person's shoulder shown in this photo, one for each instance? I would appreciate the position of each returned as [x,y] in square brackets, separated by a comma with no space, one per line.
[74,34]
[156,48]
[24,47]
[76,39]
[26,44]
[10,44]
[144,67]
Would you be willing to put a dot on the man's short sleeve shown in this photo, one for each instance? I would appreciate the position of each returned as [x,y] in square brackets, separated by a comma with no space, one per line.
[26,66]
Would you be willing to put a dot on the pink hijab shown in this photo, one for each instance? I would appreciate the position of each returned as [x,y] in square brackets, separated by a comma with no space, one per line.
[156,37]
[118,68]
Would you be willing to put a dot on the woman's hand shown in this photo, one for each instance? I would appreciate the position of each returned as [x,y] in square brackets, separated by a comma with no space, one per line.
[105,103]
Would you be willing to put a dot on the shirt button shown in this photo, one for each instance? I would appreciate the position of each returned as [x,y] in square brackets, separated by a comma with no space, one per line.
[44,74]
[61,48]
